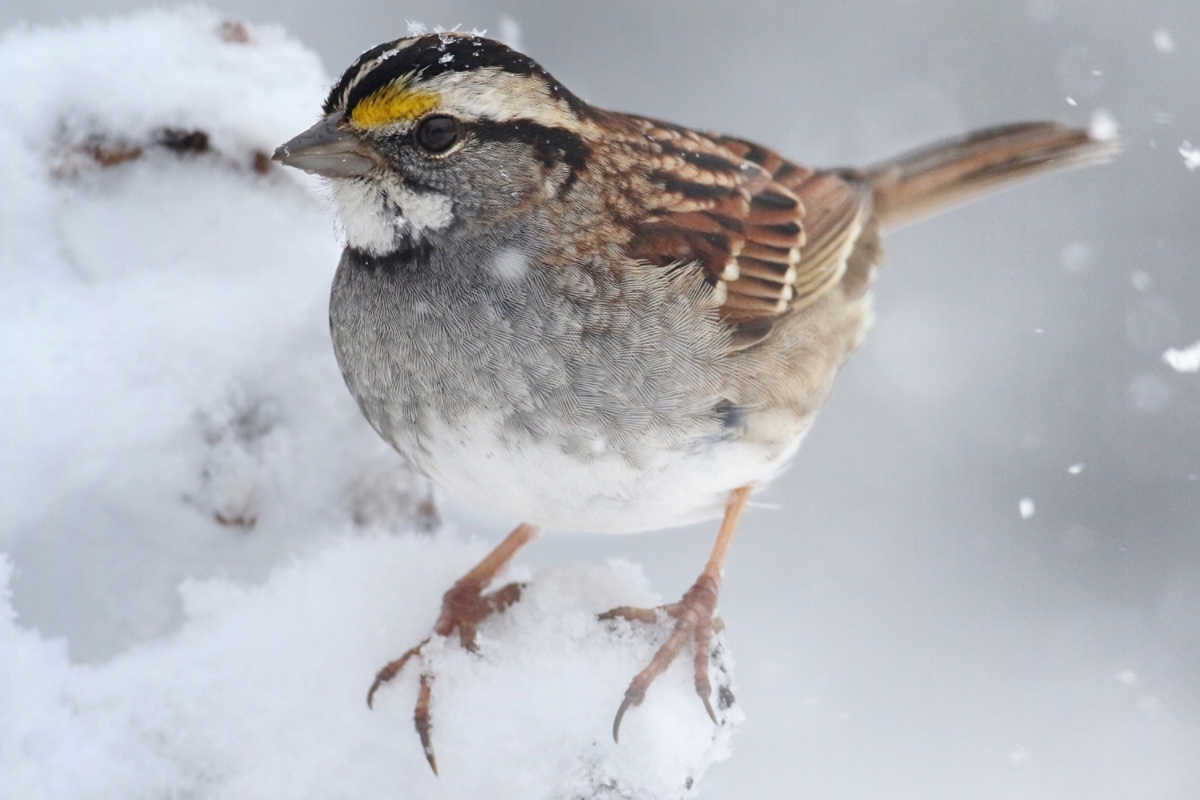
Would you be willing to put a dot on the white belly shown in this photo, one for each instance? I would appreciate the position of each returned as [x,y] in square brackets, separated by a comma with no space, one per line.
[600,492]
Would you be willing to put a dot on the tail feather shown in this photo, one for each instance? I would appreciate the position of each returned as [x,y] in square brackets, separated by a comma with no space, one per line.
[955,171]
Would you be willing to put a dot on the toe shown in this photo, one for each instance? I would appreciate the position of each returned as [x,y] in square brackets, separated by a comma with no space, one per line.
[695,621]
[631,613]
[503,597]
[424,720]
[391,670]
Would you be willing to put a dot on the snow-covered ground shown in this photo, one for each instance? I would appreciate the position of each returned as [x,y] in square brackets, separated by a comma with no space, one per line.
[192,498]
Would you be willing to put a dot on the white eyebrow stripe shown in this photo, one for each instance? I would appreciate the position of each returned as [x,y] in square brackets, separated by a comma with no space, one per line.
[491,93]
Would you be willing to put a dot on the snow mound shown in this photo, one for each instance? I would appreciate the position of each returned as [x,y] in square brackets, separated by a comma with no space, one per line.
[172,407]
[205,552]
[262,694]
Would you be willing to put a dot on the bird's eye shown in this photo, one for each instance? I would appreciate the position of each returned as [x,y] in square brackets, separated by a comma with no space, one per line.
[438,133]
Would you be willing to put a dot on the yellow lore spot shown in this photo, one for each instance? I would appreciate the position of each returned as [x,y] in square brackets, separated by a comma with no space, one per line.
[392,104]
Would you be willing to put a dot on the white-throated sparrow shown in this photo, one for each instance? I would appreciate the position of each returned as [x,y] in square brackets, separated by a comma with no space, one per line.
[596,321]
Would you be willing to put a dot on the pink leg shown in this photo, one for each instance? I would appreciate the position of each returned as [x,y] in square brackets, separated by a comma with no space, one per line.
[464,606]
[694,620]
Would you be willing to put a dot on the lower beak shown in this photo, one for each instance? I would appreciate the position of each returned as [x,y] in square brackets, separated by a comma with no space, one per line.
[329,150]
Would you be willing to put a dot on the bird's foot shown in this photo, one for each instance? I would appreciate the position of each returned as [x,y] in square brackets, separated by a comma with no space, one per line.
[464,606]
[695,619]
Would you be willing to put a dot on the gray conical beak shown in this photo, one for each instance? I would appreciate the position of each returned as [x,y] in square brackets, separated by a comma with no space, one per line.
[329,150]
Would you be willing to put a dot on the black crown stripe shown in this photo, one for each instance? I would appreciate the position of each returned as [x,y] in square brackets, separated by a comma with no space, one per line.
[436,54]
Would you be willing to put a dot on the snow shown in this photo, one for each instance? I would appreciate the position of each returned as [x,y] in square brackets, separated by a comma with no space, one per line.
[205,552]
[1185,359]
[1191,155]
[1076,257]
[1148,393]
[1103,126]
[1164,42]
[510,32]
[261,694]
[510,264]
[1025,507]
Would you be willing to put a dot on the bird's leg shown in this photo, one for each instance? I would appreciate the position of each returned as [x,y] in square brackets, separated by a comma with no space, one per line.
[694,617]
[464,606]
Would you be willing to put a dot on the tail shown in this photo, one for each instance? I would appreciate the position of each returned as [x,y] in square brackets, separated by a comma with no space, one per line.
[955,171]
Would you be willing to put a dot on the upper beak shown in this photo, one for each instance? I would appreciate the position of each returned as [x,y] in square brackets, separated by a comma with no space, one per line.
[325,149]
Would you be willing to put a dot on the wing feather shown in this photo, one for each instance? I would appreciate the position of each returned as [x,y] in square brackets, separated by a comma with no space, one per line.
[769,236]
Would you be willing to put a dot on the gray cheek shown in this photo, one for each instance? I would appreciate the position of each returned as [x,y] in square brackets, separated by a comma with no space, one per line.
[501,177]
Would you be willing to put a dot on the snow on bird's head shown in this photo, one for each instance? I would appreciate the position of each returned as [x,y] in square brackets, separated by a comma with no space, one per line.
[467,75]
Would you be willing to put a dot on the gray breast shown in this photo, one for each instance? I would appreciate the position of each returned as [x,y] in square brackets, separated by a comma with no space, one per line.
[432,340]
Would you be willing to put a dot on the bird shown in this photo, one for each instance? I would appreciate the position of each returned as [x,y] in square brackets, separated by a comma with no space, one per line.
[596,321]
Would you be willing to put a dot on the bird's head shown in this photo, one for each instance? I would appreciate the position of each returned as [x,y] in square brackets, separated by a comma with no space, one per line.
[431,133]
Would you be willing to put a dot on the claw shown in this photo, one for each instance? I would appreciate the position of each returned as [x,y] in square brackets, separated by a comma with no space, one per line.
[704,689]
[626,704]
[464,606]
[695,620]
[423,721]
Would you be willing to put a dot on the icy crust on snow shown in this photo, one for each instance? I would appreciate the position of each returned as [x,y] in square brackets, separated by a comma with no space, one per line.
[205,551]
[262,694]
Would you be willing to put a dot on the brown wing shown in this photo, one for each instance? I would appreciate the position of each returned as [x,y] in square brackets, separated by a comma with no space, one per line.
[770,236]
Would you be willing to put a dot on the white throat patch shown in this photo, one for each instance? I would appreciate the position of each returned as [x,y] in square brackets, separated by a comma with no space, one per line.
[374,215]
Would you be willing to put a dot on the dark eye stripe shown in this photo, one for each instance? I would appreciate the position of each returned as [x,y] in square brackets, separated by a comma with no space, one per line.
[553,145]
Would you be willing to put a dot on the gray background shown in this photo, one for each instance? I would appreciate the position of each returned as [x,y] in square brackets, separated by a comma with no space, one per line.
[900,630]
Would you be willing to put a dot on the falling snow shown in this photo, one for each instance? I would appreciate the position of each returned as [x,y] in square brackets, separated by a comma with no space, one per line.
[1191,155]
[1184,360]
[1103,126]
[1025,507]
[1164,42]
